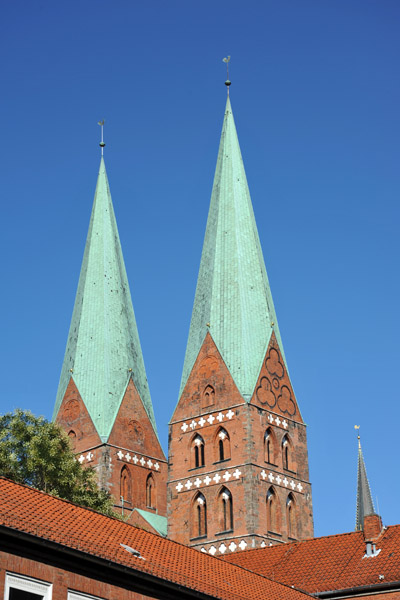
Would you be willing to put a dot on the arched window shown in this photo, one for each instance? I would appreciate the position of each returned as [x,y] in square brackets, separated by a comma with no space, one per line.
[150,492]
[269,446]
[199,516]
[225,510]
[273,513]
[197,452]
[291,516]
[287,453]
[125,484]
[223,445]
[208,396]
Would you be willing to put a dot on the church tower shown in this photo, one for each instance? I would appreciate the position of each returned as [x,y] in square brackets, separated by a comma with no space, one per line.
[103,400]
[238,466]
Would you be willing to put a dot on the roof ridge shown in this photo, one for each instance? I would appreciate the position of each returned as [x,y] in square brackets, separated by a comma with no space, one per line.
[305,541]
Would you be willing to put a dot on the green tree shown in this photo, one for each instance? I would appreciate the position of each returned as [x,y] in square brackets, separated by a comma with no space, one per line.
[38,453]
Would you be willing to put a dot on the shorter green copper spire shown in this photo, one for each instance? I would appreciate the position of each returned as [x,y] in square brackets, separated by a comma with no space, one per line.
[233,299]
[103,348]
[365,505]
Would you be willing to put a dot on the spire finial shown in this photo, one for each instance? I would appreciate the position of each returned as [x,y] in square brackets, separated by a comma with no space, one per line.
[102,144]
[226,61]
[357,428]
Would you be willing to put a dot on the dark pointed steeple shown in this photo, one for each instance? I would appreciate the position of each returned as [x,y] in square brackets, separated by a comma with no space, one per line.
[365,506]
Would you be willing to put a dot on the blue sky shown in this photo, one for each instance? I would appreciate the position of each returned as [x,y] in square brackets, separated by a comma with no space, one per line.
[315,93]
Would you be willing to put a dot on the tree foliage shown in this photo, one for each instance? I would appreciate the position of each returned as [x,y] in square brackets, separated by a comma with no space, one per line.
[38,453]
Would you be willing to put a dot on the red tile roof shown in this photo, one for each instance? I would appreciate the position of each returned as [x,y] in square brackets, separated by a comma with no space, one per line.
[43,516]
[328,563]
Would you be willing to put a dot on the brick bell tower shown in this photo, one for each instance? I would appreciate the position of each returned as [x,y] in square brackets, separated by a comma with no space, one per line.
[103,400]
[238,466]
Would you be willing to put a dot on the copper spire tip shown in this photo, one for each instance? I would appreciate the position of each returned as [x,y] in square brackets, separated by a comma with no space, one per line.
[226,61]
[102,143]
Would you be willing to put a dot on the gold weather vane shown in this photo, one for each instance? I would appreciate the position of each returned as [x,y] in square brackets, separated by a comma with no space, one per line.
[102,144]
[226,61]
[357,428]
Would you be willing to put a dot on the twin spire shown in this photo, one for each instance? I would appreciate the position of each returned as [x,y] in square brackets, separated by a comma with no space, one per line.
[103,349]
[233,300]
[233,303]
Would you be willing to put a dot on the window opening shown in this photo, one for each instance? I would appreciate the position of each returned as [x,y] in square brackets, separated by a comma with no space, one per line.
[208,396]
[223,449]
[199,516]
[272,511]
[287,453]
[198,450]
[150,492]
[125,484]
[291,516]
[269,447]
[18,587]
[226,510]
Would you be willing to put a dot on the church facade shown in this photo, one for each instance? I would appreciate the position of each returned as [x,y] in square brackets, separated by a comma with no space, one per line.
[237,470]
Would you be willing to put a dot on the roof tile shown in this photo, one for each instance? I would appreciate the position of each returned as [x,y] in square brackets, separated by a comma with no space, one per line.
[328,563]
[36,513]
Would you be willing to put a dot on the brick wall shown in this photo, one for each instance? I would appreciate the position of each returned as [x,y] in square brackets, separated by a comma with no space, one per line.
[132,451]
[62,580]
[211,405]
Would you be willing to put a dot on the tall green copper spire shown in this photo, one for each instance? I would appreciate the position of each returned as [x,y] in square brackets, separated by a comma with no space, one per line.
[233,299]
[103,348]
[365,506]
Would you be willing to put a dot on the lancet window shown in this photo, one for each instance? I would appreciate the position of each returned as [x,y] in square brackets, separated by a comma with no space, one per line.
[150,492]
[291,516]
[198,458]
[269,446]
[208,396]
[223,445]
[125,485]
[287,453]
[273,513]
[199,516]
[225,510]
